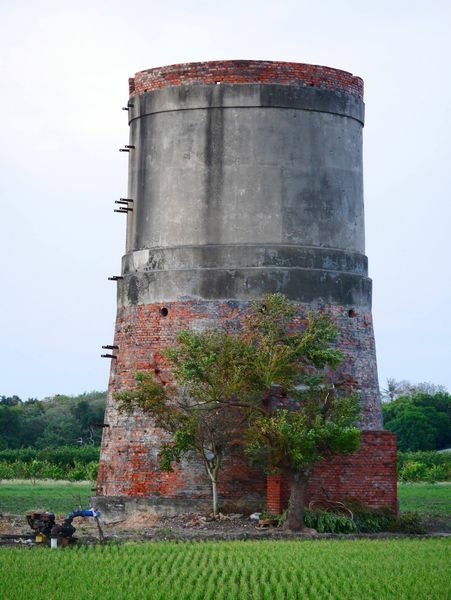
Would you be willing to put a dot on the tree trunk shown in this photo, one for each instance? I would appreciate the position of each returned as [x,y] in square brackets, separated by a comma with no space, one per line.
[296,504]
[214,491]
[213,474]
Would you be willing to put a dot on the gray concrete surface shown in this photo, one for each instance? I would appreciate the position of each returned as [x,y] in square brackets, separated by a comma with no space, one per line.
[244,189]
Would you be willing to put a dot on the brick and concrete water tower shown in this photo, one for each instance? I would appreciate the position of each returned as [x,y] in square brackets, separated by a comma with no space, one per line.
[245,177]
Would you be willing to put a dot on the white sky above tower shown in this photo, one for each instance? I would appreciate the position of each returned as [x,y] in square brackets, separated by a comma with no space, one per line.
[63,71]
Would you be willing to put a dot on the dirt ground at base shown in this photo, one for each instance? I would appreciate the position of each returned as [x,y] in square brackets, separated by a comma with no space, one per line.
[14,530]
[144,527]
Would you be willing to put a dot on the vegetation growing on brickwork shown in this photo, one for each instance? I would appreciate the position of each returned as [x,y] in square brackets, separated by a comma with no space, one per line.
[270,386]
[370,569]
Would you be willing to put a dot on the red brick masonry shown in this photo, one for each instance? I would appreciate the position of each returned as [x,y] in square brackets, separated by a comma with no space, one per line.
[129,463]
[246,71]
[368,476]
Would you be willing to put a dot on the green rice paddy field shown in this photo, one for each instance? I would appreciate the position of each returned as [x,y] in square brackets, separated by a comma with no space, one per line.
[327,569]
[322,569]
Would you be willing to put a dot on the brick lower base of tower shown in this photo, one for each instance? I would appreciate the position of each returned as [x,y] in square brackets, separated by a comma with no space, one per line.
[129,467]
[368,476]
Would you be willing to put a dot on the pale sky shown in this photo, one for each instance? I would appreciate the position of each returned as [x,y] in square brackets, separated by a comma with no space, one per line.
[64,68]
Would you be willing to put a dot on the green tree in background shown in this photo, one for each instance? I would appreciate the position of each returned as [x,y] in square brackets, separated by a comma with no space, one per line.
[9,427]
[52,422]
[421,421]
[10,400]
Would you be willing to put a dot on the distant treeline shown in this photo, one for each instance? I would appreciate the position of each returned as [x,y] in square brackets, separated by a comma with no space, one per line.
[421,421]
[420,415]
[52,422]
[57,438]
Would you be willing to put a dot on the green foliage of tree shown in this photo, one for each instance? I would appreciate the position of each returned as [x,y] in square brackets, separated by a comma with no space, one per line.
[421,421]
[9,427]
[269,385]
[320,419]
[52,422]
[10,400]
[33,422]
[205,406]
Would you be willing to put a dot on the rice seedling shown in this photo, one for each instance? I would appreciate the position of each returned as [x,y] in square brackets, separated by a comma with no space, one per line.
[370,569]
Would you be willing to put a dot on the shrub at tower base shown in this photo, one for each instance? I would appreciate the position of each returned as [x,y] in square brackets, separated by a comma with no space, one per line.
[273,386]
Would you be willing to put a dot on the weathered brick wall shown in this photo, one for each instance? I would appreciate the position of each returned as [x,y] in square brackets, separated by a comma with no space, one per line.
[246,71]
[368,475]
[130,446]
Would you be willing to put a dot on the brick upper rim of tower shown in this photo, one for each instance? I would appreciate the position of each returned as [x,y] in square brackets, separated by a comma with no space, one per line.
[246,72]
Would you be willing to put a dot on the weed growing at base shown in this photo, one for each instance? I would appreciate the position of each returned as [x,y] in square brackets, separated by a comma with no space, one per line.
[370,569]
